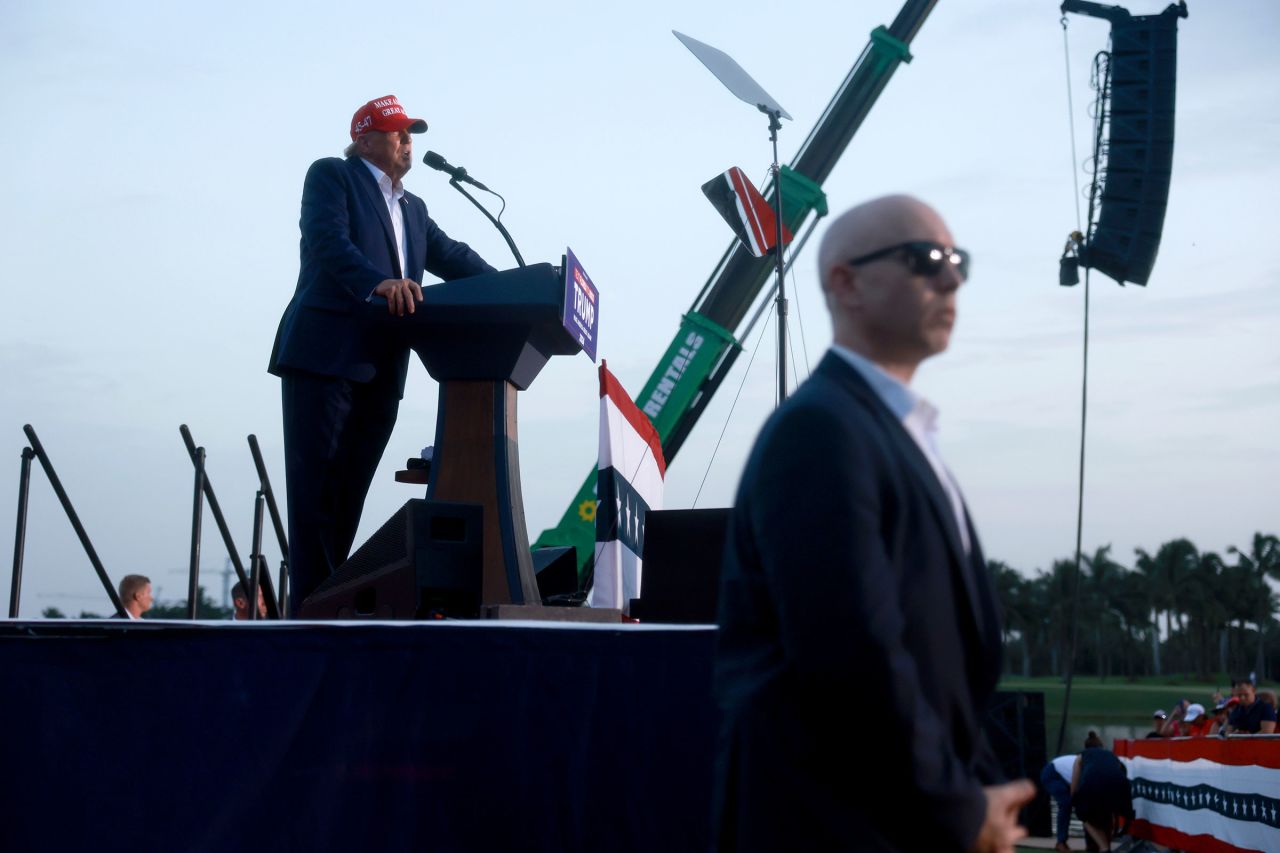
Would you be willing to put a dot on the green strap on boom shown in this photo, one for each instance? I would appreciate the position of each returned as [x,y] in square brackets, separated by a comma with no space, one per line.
[800,194]
[891,49]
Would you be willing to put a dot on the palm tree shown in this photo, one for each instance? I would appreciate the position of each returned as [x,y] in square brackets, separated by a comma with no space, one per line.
[1008,583]
[1239,595]
[1158,598]
[1165,572]
[1101,592]
[1206,608]
[1262,561]
[1055,591]
[1130,604]
[1045,612]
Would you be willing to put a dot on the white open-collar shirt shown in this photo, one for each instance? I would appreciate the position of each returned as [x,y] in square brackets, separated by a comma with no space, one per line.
[919,418]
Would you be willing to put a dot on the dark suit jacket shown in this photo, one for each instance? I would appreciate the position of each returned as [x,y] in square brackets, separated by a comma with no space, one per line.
[859,646]
[347,248]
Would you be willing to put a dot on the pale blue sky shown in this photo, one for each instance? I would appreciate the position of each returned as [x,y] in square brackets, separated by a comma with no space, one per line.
[149,228]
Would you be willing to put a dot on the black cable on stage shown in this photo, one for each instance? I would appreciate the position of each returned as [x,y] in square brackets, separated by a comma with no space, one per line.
[728,417]
[1101,81]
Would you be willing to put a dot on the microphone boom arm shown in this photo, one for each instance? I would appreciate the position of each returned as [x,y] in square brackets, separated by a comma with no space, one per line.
[453,182]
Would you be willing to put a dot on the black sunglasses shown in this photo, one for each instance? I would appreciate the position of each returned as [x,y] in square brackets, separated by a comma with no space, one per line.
[922,257]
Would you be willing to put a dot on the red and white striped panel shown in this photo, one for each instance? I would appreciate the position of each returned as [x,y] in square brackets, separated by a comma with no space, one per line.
[1206,794]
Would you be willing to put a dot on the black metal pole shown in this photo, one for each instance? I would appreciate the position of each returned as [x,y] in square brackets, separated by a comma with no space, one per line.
[20,535]
[38,448]
[775,124]
[197,514]
[221,521]
[255,558]
[284,589]
[264,482]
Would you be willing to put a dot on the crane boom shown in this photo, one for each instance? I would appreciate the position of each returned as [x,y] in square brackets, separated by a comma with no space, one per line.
[704,348]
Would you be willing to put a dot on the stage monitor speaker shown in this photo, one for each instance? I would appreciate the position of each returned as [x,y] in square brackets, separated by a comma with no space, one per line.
[1139,156]
[424,562]
[1014,726]
[680,579]
[556,570]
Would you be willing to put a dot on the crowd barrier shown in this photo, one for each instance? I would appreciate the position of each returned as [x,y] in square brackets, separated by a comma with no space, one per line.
[1216,795]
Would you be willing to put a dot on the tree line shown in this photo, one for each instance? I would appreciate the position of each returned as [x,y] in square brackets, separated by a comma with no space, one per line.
[1178,610]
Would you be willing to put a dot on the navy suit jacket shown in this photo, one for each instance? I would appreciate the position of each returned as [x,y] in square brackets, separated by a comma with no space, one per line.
[859,645]
[347,249]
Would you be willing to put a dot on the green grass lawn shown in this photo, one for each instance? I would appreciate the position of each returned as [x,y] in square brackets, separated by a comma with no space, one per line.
[1113,707]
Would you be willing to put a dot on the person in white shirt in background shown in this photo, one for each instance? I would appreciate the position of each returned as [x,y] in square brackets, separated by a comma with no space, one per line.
[1056,781]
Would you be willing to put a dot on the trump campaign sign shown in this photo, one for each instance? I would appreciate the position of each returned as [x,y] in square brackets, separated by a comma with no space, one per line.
[581,316]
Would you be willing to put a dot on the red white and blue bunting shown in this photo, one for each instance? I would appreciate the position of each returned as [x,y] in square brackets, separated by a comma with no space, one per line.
[1206,794]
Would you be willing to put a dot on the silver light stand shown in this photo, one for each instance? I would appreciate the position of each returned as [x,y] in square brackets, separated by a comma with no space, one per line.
[741,84]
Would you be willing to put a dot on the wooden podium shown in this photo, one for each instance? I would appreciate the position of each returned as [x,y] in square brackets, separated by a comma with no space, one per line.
[484,339]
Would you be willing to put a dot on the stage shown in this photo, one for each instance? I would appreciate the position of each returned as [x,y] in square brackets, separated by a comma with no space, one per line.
[304,736]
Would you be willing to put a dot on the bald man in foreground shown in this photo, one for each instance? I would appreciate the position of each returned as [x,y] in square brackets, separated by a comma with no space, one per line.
[853,569]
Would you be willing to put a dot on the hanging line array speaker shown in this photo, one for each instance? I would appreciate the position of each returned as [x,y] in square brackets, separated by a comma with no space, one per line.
[1139,155]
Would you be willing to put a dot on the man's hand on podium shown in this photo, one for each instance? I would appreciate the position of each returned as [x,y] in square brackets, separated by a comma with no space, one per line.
[400,293]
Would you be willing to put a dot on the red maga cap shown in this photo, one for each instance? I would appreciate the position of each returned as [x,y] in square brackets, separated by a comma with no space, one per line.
[384,113]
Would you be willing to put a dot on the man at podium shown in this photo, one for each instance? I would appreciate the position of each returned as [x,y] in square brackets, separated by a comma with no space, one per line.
[364,240]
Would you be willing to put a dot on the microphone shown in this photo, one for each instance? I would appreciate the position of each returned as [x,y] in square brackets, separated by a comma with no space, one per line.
[458,173]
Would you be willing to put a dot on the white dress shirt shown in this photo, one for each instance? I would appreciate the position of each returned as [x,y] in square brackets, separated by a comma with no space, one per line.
[392,193]
[919,418]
